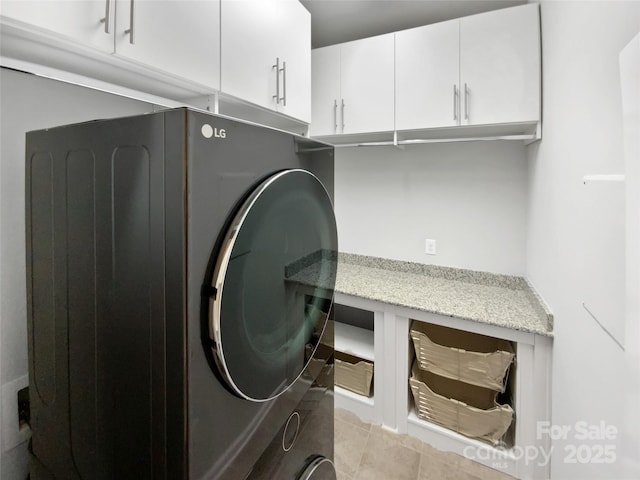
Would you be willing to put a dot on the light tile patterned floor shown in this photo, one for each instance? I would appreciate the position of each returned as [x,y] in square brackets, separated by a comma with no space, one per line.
[369,452]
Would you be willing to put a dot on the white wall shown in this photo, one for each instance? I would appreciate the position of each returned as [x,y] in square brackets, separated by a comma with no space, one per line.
[469,197]
[29,103]
[582,134]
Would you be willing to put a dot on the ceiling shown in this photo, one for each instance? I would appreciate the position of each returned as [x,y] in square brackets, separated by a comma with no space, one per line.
[337,21]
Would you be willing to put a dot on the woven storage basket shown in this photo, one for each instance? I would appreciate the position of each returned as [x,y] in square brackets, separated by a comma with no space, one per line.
[465,356]
[466,409]
[321,318]
[353,373]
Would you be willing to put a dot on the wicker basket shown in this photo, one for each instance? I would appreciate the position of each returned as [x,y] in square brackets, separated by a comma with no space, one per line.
[465,356]
[353,373]
[321,317]
[467,409]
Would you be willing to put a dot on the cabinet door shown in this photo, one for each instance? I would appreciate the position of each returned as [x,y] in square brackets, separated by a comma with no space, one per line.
[79,20]
[366,81]
[427,75]
[249,49]
[500,66]
[179,37]
[325,90]
[295,48]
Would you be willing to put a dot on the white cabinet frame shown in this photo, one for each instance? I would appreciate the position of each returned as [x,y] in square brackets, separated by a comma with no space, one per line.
[369,409]
[391,401]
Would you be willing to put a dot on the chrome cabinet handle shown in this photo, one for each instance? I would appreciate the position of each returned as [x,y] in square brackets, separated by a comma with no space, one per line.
[284,83]
[107,17]
[466,102]
[455,102]
[342,115]
[130,31]
[276,97]
[335,116]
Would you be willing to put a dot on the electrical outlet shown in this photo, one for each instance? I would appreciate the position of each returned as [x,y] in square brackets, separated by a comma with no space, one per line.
[13,434]
[430,246]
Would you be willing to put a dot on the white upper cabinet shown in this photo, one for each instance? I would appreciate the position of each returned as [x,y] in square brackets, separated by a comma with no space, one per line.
[180,37]
[325,90]
[366,85]
[500,66]
[480,72]
[266,54]
[427,76]
[89,22]
[296,64]
[352,87]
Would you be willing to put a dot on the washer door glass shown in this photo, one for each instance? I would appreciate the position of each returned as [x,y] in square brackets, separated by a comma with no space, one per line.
[273,285]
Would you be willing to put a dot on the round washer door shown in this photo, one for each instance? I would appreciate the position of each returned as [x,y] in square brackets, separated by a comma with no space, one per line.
[320,468]
[273,285]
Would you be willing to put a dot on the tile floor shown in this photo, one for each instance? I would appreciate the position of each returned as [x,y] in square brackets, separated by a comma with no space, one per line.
[369,452]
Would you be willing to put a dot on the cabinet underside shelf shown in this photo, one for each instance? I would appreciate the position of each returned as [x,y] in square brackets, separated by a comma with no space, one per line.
[526,132]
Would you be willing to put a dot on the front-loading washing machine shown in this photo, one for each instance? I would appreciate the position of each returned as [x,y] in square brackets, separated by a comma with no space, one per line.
[180,269]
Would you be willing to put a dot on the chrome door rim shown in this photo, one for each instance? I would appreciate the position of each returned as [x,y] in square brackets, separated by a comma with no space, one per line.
[218,279]
[314,465]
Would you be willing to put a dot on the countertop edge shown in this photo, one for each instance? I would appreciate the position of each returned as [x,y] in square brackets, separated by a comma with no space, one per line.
[488,279]
[479,277]
[482,321]
[540,305]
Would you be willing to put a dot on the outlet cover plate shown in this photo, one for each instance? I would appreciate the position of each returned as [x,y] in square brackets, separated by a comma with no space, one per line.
[430,246]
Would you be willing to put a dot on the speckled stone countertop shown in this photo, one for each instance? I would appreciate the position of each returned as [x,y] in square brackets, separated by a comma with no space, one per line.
[501,300]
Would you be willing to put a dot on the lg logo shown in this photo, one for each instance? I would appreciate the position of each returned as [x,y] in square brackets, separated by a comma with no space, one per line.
[208,131]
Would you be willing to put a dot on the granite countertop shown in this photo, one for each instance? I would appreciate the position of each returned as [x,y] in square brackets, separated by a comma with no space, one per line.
[502,300]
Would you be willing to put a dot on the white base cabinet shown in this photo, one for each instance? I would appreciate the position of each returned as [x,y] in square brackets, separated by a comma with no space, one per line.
[360,343]
[377,408]
[392,405]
